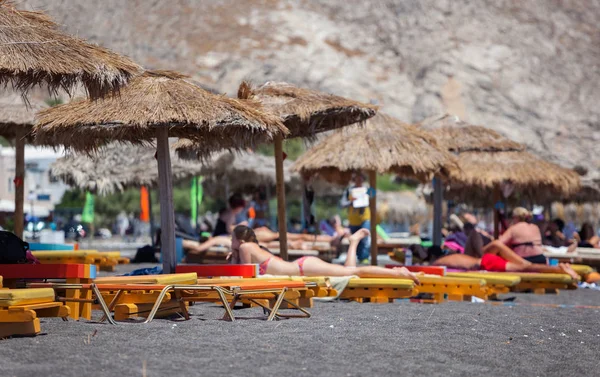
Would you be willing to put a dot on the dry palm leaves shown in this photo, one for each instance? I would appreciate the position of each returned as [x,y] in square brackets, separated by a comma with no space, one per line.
[117,167]
[158,99]
[17,116]
[383,145]
[34,52]
[307,112]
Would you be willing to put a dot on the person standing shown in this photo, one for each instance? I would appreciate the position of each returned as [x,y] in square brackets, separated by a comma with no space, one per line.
[356,200]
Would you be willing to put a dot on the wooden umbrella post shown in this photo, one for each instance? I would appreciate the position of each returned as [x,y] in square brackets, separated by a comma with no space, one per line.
[437,211]
[496,199]
[19,182]
[373,209]
[167,215]
[280,187]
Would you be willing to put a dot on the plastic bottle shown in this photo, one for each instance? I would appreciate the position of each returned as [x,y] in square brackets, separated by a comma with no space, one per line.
[408,257]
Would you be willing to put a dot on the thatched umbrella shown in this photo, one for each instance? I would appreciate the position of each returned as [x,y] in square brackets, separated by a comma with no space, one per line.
[305,113]
[157,105]
[400,206]
[33,51]
[383,145]
[488,161]
[16,122]
[239,168]
[118,167]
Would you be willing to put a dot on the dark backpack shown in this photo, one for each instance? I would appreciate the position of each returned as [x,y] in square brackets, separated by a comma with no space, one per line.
[12,249]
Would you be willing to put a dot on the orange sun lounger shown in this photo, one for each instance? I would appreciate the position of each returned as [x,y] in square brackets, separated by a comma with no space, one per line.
[252,291]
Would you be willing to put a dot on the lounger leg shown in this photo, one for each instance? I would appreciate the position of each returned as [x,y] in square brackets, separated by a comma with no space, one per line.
[112,304]
[161,296]
[228,308]
[181,302]
[306,313]
[277,304]
[102,303]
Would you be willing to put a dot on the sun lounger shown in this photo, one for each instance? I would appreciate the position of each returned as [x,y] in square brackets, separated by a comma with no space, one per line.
[106,261]
[378,290]
[455,289]
[127,303]
[20,310]
[496,283]
[78,300]
[319,288]
[253,291]
[212,270]
[542,283]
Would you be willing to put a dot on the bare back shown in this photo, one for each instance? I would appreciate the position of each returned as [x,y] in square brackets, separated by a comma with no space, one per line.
[524,238]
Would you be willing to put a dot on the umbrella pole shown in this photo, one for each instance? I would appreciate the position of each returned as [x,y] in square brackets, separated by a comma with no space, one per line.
[280,187]
[437,211]
[496,199]
[19,182]
[167,214]
[373,209]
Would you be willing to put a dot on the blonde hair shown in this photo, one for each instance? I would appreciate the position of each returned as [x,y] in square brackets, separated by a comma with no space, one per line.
[522,214]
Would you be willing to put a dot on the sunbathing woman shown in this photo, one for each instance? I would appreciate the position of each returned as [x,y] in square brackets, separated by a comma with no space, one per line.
[524,238]
[267,238]
[498,257]
[245,249]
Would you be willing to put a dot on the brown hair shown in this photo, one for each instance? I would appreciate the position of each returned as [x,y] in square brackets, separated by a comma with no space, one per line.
[587,232]
[243,233]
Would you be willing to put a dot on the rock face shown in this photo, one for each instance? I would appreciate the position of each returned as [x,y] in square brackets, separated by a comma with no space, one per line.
[529,69]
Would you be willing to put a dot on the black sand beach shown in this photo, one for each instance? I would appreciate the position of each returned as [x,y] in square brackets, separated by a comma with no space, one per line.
[531,338]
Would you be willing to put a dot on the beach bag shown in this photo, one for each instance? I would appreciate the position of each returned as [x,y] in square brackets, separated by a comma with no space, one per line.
[12,249]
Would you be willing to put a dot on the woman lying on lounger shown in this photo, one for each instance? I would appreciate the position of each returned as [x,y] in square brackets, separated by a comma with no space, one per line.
[266,238]
[498,257]
[245,249]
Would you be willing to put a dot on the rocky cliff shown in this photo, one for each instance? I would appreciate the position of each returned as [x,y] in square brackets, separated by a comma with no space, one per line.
[529,69]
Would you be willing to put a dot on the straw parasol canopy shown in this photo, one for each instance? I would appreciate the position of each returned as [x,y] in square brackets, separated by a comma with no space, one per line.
[488,160]
[307,112]
[155,100]
[401,206]
[118,167]
[158,105]
[383,145]
[240,169]
[33,51]
[516,170]
[16,115]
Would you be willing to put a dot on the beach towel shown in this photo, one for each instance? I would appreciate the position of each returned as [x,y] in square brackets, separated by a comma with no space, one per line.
[339,283]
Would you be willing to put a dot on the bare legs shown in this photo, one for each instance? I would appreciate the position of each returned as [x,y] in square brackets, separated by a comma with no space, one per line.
[459,261]
[518,264]
[316,267]
[194,247]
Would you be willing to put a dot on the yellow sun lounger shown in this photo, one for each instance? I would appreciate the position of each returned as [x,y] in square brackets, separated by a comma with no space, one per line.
[541,283]
[20,309]
[377,290]
[454,288]
[496,283]
[106,260]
